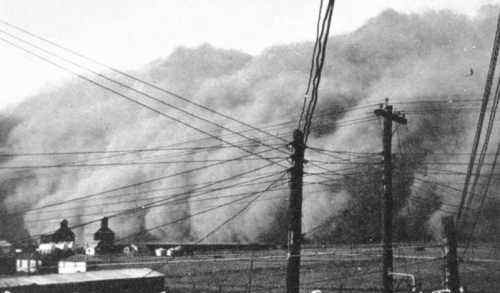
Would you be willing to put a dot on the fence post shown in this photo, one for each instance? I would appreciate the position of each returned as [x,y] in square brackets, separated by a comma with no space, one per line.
[250,273]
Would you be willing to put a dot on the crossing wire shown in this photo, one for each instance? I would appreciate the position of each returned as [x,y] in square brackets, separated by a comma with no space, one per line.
[319,59]
[127,186]
[481,203]
[151,97]
[131,88]
[191,215]
[241,211]
[169,92]
[170,204]
[311,70]
[484,148]
[124,151]
[141,92]
[181,196]
[136,102]
[484,103]
[118,164]
[145,207]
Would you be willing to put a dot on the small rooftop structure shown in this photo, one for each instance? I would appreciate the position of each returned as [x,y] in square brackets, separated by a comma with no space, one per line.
[106,281]
[106,238]
[5,247]
[64,233]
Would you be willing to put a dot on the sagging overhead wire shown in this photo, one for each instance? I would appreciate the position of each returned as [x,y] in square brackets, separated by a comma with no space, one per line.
[134,78]
[127,186]
[191,215]
[122,164]
[150,205]
[241,211]
[127,97]
[148,199]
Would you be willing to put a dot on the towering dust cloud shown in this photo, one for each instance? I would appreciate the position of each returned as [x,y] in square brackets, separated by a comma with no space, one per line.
[414,60]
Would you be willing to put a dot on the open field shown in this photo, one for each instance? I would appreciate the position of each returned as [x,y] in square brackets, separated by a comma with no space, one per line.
[331,269]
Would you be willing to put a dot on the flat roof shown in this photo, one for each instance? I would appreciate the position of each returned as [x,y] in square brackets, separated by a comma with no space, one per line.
[92,276]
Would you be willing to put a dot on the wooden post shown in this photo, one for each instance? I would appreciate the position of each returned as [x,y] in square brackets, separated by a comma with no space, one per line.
[453,282]
[295,214]
[388,116]
[250,274]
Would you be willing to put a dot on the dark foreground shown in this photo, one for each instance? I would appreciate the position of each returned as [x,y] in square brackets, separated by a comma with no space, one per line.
[329,269]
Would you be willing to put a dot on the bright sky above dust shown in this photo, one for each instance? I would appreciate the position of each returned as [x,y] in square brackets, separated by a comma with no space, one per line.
[130,33]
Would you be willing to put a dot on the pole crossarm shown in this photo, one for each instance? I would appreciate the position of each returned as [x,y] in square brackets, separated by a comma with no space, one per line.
[393,116]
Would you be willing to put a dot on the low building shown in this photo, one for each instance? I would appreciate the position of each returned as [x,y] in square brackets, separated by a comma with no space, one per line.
[28,263]
[106,281]
[78,263]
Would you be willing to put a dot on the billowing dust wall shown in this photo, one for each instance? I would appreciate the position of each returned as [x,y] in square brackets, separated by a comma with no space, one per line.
[412,59]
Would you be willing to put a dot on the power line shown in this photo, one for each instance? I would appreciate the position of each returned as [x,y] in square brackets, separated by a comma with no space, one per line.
[190,192]
[319,59]
[482,201]
[241,211]
[149,205]
[313,64]
[484,148]
[133,89]
[484,103]
[118,164]
[91,195]
[171,93]
[191,215]
[170,204]
[124,151]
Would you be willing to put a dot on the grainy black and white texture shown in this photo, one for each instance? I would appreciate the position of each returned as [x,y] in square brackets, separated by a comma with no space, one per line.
[76,140]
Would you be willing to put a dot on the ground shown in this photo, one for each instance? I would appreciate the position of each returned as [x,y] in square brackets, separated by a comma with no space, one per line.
[330,269]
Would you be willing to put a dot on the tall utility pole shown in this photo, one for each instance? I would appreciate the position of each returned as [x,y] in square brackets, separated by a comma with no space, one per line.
[389,116]
[295,213]
[452,281]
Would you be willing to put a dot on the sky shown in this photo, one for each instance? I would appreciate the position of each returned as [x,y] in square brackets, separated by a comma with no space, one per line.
[130,33]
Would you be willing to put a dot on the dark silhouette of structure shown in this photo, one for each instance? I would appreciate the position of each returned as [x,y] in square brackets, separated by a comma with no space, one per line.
[64,233]
[106,238]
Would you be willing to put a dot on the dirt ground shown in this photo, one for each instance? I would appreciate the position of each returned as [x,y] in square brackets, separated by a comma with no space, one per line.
[330,269]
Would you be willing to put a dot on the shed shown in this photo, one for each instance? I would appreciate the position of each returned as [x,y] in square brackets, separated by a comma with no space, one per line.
[78,263]
[27,263]
[142,280]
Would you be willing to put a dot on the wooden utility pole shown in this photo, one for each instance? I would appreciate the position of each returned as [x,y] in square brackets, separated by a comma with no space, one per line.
[295,213]
[388,115]
[452,280]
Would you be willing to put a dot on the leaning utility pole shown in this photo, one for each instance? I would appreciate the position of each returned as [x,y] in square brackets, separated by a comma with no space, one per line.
[295,213]
[389,116]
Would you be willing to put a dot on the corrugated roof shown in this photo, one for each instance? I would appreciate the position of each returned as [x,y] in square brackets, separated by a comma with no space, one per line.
[93,276]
